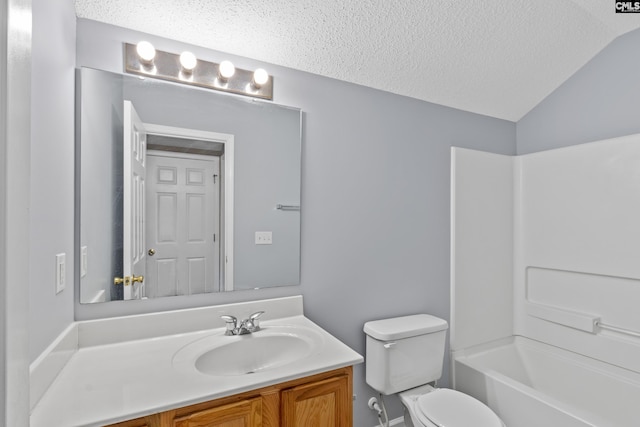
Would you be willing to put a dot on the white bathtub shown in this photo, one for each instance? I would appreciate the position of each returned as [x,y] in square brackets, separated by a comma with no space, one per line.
[531,384]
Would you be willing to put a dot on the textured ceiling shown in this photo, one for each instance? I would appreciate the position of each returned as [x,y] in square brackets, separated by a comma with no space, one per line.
[499,58]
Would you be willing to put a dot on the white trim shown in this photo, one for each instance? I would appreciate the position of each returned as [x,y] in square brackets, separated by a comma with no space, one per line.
[177,132]
[396,422]
[4,250]
[179,155]
[228,158]
[15,164]
[229,179]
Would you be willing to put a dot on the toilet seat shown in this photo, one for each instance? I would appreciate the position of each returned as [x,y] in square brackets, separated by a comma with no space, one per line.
[450,408]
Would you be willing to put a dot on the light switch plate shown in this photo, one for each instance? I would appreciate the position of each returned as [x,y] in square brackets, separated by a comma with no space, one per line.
[60,272]
[264,238]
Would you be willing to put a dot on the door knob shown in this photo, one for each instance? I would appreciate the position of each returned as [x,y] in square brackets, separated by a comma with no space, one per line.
[127,280]
[121,280]
[151,252]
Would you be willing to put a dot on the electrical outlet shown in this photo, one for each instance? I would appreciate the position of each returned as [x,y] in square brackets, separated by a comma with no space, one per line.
[264,238]
[60,272]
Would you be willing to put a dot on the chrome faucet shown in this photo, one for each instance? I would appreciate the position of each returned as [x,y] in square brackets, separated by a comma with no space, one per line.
[247,326]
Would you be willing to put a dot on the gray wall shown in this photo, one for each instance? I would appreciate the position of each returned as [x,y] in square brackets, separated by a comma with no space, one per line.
[52,160]
[600,101]
[52,144]
[375,235]
[375,194]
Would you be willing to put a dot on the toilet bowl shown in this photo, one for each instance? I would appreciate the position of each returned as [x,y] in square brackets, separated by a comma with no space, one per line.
[406,354]
[427,406]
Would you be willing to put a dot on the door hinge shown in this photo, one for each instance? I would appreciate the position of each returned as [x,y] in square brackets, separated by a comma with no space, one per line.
[214,238]
[214,178]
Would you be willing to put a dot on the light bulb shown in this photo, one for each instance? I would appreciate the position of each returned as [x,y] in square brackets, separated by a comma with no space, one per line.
[226,69]
[146,52]
[188,61]
[260,77]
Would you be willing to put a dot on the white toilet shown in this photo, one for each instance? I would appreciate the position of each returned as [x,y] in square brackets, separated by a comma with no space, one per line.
[404,355]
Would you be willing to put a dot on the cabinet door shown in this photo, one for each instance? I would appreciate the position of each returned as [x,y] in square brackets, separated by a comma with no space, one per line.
[325,403]
[246,413]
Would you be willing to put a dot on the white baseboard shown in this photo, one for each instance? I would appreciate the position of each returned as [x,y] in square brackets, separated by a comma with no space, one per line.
[396,422]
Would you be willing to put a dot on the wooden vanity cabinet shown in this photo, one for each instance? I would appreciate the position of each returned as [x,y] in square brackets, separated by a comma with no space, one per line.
[322,400]
[325,403]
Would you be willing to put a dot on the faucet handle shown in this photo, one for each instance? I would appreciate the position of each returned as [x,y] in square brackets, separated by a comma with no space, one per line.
[231,322]
[254,319]
[255,315]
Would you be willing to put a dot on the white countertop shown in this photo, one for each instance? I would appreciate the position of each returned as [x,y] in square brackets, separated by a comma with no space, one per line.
[108,383]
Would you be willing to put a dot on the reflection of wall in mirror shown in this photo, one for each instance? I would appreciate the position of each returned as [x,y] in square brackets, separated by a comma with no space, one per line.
[101,187]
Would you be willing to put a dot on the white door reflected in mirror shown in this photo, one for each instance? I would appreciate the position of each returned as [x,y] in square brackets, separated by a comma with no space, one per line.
[183,223]
[135,151]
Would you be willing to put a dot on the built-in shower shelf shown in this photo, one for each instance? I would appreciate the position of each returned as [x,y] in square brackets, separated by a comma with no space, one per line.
[583,321]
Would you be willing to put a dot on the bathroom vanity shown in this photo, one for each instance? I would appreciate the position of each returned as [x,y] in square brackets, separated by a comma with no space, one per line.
[322,399]
[170,369]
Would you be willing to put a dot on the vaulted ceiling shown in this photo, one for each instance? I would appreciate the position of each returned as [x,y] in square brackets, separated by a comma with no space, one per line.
[498,58]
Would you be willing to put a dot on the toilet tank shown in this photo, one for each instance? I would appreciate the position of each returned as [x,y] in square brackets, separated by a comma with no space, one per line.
[404,352]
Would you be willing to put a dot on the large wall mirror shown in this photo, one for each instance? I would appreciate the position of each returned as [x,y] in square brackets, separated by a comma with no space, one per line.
[183,191]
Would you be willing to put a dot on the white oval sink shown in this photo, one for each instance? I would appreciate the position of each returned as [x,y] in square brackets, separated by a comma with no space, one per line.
[267,349]
[253,353]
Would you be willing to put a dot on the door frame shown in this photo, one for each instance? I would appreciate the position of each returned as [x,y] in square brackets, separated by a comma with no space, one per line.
[227,166]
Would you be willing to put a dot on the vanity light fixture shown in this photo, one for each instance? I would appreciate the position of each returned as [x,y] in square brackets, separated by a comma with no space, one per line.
[226,70]
[146,52]
[260,77]
[187,69]
[188,61]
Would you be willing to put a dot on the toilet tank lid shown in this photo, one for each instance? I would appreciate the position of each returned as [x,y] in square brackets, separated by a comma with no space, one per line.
[404,327]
